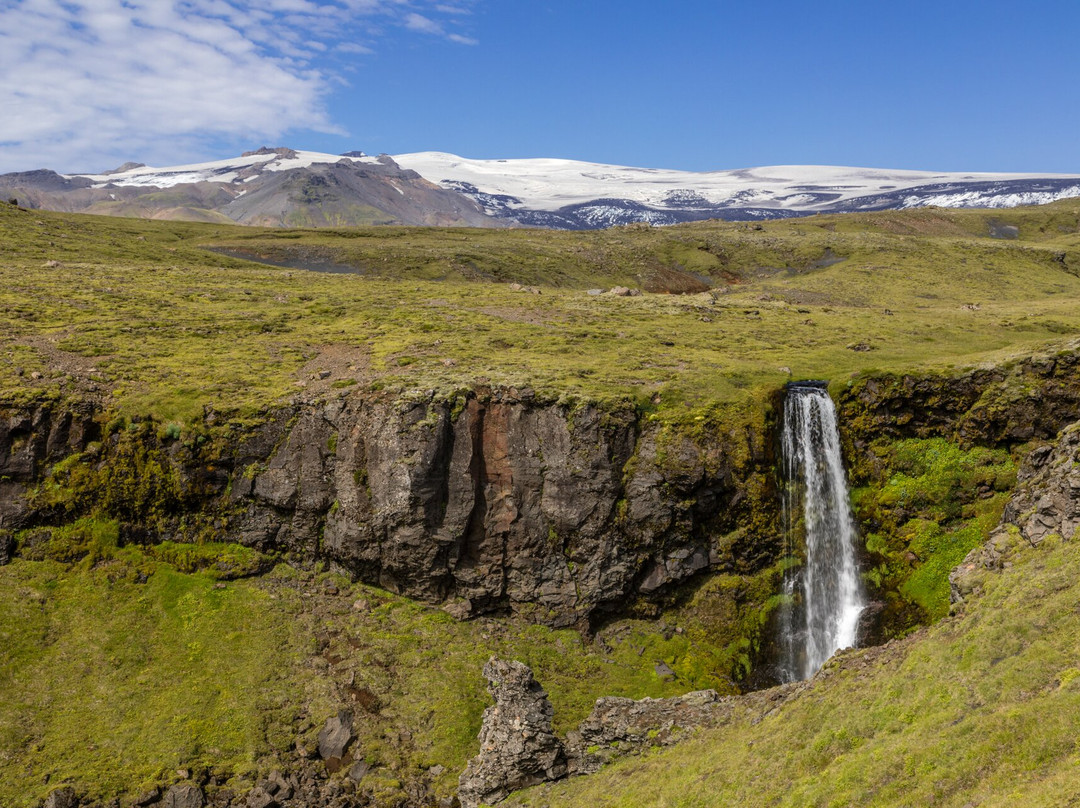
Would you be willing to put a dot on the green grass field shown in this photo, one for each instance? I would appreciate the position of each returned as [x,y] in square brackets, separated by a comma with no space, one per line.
[157,326]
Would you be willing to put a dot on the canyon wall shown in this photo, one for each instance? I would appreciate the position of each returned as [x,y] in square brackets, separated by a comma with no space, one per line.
[490,502]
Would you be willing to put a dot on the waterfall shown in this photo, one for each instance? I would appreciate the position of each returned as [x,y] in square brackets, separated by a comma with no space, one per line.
[824,594]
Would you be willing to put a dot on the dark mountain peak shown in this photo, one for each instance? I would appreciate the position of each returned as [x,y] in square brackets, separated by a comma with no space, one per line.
[354,154]
[125,167]
[43,179]
[280,151]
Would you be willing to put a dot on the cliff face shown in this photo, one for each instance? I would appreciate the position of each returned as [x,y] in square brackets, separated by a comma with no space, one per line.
[490,503]
[31,439]
[497,503]
[1045,504]
[1032,399]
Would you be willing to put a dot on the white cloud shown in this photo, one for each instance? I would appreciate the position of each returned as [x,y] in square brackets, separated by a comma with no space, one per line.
[418,22]
[88,83]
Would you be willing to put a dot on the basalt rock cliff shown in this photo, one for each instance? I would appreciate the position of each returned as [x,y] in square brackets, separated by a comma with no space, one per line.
[493,502]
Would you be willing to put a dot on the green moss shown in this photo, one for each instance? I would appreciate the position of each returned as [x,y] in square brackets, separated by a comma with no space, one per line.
[221,561]
[130,479]
[85,538]
[930,504]
[137,680]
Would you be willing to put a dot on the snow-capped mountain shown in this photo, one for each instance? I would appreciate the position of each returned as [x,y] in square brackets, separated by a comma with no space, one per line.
[286,187]
[576,194]
[268,187]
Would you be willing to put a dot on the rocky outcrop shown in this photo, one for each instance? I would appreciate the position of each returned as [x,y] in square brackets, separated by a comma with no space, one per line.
[518,748]
[491,502]
[500,502]
[32,438]
[619,726]
[1047,498]
[1046,502]
[62,798]
[497,502]
[994,406]
[184,795]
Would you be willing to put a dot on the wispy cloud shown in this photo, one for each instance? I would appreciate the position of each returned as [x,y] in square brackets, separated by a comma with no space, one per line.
[418,22]
[103,80]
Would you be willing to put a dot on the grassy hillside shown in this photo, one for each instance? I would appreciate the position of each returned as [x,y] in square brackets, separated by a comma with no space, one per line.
[135,662]
[136,312]
[981,709]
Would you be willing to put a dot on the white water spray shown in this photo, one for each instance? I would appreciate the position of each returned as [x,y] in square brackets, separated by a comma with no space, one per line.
[825,592]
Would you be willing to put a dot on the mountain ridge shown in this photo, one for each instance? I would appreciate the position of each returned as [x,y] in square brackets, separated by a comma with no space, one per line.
[439,188]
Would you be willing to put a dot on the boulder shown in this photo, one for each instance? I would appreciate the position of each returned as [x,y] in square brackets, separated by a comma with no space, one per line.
[260,798]
[335,736]
[62,798]
[184,795]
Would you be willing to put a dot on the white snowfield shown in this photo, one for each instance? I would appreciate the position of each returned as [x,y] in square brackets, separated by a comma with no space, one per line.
[550,184]
[216,171]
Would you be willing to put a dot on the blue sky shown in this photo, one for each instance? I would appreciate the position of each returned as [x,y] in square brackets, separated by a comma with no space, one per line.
[946,85]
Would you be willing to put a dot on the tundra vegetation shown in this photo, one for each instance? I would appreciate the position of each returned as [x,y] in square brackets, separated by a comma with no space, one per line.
[126,660]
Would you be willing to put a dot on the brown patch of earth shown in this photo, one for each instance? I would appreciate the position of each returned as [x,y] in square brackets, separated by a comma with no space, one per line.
[515,315]
[335,366]
[72,372]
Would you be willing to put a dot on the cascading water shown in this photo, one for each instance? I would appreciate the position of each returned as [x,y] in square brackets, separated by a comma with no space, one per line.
[825,594]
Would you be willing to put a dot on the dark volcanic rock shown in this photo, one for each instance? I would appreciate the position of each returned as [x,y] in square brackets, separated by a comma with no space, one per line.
[184,795]
[335,736]
[62,798]
[993,406]
[260,798]
[31,439]
[619,726]
[518,748]
[496,502]
[499,503]
[1046,502]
